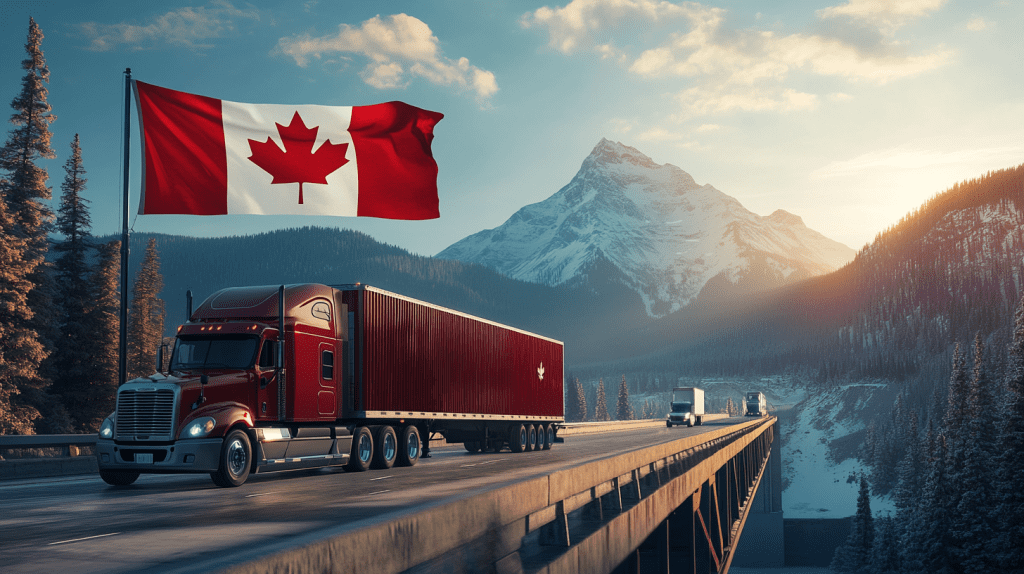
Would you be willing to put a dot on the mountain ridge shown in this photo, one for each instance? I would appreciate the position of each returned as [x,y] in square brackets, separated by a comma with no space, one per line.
[667,235]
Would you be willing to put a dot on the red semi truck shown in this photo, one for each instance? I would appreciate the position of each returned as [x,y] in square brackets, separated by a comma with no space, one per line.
[272,378]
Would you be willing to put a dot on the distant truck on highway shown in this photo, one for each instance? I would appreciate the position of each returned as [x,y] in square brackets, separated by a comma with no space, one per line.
[687,407]
[273,378]
[756,405]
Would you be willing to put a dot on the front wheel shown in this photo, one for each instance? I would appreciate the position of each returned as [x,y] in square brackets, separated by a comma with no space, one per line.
[119,477]
[235,460]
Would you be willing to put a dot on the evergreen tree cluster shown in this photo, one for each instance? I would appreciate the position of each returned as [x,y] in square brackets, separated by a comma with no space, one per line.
[59,320]
[956,485]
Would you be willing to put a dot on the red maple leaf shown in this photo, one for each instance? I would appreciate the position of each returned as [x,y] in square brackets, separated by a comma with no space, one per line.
[298,163]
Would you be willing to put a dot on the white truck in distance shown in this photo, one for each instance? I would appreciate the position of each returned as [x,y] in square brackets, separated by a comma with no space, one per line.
[687,407]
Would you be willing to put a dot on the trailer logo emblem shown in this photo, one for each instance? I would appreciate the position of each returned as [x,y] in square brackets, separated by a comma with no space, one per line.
[540,372]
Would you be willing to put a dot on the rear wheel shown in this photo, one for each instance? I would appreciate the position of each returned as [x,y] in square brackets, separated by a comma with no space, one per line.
[538,443]
[119,477]
[517,438]
[235,460]
[531,438]
[386,448]
[408,446]
[362,450]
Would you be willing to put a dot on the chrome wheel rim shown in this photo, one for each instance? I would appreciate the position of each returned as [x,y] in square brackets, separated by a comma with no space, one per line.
[236,457]
[390,448]
[365,448]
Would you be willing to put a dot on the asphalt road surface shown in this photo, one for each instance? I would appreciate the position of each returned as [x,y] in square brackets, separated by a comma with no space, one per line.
[183,523]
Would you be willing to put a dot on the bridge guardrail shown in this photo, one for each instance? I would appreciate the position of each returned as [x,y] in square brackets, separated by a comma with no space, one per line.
[490,528]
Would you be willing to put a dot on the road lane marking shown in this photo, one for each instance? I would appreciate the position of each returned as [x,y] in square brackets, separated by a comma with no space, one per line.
[378,492]
[81,539]
[381,478]
[483,463]
[260,494]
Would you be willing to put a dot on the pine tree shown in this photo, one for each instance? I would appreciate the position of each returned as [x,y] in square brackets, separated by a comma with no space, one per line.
[29,218]
[20,349]
[569,402]
[601,408]
[885,556]
[928,542]
[910,475]
[623,410]
[145,316]
[99,387]
[730,407]
[72,360]
[972,523]
[1009,505]
[854,556]
[581,402]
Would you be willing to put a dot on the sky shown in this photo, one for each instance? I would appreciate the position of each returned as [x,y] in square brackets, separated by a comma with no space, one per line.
[848,113]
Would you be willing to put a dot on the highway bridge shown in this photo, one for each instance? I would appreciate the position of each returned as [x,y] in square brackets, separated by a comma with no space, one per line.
[644,498]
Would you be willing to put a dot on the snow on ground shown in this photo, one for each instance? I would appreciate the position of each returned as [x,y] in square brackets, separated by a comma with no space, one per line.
[816,486]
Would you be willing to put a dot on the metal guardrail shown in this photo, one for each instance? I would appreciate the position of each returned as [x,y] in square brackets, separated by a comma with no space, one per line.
[46,440]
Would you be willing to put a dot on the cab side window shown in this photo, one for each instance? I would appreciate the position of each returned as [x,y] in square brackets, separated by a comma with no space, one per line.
[327,365]
[267,354]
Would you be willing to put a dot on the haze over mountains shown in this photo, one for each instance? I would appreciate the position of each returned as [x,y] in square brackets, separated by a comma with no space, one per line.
[623,218]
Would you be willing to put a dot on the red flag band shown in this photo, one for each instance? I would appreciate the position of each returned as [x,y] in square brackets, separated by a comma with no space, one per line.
[205,156]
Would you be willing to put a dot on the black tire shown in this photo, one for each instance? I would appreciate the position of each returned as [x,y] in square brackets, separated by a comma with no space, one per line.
[549,436]
[531,438]
[362,450]
[119,477]
[385,448]
[409,447]
[472,445]
[517,438]
[235,460]
[668,424]
[538,443]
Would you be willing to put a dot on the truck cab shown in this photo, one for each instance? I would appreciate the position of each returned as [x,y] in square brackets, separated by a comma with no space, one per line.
[756,405]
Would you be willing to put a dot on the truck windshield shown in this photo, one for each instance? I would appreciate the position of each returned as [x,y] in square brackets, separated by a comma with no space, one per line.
[221,352]
[680,407]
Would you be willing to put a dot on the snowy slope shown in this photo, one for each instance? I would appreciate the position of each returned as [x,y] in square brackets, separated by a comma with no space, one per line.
[667,235]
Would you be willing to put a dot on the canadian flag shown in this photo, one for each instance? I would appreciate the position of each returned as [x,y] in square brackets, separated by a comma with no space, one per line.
[204,156]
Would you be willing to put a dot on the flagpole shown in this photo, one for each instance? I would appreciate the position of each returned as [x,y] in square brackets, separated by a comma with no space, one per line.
[123,343]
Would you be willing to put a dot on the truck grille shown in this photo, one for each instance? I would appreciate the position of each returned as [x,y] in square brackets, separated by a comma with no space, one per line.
[145,413]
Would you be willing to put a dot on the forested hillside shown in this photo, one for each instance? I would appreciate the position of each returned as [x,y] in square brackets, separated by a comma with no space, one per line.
[332,256]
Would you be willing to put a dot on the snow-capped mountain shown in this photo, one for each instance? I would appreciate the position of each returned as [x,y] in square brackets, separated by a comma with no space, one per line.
[653,226]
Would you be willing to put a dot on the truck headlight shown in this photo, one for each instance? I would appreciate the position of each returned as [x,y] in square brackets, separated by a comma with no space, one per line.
[198,428]
[107,428]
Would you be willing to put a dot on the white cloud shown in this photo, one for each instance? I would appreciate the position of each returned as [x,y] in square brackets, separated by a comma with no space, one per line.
[743,69]
[746,57]
[977,24]
[887,15]
[658,134]
[191,27]
[706,100]
[573,25]
[398,48]
[707,128]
